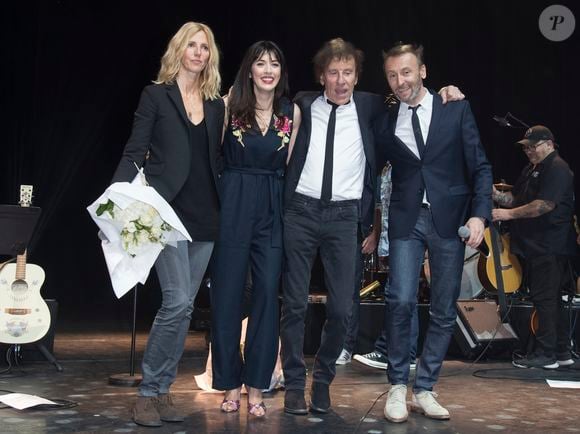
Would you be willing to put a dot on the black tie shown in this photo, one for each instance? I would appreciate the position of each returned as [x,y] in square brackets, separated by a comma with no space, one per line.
[417,130]
[326,193]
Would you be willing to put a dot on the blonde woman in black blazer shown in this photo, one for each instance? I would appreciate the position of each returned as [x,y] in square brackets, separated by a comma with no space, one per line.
[176,137]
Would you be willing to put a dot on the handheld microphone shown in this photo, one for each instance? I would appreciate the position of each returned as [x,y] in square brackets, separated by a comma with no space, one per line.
[465,233]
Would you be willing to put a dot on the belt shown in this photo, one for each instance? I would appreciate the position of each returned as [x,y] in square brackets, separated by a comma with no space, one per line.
[275,184]
[331,203]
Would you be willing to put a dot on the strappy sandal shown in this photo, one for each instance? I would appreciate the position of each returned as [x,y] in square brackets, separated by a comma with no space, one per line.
[230,405]
[254,409]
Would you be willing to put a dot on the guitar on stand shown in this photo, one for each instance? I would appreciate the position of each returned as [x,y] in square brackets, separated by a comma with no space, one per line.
[24,315]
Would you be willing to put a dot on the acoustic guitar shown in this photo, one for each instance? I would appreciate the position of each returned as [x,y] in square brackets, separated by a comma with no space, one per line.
[24,315]
[509,265]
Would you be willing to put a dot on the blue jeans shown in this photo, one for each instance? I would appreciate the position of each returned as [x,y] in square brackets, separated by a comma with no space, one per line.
[180,271]
[406,259]
[382,342]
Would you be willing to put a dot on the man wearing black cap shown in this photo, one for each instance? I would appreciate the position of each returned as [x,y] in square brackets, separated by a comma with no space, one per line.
[542,205]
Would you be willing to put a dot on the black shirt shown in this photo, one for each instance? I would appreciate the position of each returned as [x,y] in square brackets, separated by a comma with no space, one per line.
[197,203]
[551,233]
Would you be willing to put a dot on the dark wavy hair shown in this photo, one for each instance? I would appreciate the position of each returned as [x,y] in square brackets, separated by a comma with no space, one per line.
[242,101]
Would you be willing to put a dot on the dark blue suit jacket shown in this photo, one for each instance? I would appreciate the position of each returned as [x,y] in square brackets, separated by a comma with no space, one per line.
[454,170]
[368,106]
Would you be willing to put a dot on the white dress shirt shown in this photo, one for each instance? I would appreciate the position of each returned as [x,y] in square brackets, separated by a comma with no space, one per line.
[404,129]
[349,159]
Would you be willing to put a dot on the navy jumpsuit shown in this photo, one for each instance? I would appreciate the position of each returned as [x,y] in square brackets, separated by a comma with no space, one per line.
[250,236]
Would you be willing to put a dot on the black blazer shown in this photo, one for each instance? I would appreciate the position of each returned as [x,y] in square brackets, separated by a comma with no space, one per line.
[368,107]
[454,170]
[161,127]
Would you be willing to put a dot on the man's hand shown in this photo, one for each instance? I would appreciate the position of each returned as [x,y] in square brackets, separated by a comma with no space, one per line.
[476,228]
[369,244]
[501,214]
[451,93]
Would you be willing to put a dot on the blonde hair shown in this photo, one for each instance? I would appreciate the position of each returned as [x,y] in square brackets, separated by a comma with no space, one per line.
[210,79]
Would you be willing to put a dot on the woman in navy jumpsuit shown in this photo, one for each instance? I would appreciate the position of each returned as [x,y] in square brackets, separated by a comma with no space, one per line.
[256,147]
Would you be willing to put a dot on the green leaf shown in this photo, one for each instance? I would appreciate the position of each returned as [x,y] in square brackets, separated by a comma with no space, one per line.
[106,207]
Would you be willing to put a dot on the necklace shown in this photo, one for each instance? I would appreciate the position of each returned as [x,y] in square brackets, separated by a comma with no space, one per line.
[189,102]
[188,105]
[263,120]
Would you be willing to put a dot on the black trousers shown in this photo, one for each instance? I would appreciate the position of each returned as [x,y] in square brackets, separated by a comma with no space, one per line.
[548,278]
[311,225]
[352,325]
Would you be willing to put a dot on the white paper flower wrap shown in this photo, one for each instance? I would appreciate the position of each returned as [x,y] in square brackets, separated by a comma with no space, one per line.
[130,262]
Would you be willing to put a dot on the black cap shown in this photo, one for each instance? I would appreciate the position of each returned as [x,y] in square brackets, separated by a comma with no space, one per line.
[536,134]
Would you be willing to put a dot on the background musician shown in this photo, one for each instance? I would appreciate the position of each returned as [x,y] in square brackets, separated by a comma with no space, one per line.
[542,234]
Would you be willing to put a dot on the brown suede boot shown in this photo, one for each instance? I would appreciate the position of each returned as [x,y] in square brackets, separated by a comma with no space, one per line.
[166,409]
[145,413]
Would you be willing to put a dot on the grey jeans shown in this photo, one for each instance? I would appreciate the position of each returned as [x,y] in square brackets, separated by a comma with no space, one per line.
[180,271]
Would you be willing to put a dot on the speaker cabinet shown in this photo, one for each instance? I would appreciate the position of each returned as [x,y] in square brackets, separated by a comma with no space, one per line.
[478,323]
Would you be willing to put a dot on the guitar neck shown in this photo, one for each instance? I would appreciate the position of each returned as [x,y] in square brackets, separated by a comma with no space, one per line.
[25,201]
[21,267]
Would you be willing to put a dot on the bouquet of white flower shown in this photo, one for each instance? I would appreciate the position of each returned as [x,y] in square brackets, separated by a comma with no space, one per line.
[141,224]
[136,223]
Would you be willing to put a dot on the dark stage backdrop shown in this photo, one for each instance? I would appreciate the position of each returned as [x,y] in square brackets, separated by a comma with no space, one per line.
[72,72]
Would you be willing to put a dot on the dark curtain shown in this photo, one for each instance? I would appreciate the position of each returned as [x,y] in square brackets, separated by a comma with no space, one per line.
[72,72]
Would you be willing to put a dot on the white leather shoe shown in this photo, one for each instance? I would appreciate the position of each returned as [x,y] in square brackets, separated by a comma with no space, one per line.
[425,402]
[396,405]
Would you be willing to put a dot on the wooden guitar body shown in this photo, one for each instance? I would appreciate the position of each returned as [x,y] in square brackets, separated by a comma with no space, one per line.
[511,269]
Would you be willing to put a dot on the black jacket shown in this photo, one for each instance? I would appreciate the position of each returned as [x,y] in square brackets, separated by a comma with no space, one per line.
[161,128]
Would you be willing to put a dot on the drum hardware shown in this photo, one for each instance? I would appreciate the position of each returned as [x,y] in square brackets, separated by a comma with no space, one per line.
[503,187]
[317,298]
[374,276]
[369,288]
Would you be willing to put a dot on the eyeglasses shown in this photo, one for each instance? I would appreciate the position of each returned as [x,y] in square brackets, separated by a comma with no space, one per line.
[532,147]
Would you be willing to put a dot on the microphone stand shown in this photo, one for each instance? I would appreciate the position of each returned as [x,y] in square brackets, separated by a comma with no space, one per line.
[131,379]
[505,121]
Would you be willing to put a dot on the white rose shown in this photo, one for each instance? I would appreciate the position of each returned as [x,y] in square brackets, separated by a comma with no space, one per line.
[142,237]
[156,232]
[146,219]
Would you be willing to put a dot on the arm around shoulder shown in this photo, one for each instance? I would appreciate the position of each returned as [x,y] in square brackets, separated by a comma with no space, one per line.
[296,120]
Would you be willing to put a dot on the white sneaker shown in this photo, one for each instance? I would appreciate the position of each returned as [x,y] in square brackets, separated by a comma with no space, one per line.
[396,405]
[425,402]
[566,362]
[344,358]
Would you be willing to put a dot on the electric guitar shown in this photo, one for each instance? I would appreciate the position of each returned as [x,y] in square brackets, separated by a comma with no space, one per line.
[24,315]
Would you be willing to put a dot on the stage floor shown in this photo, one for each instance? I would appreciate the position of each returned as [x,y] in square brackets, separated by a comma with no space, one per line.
[499,399]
